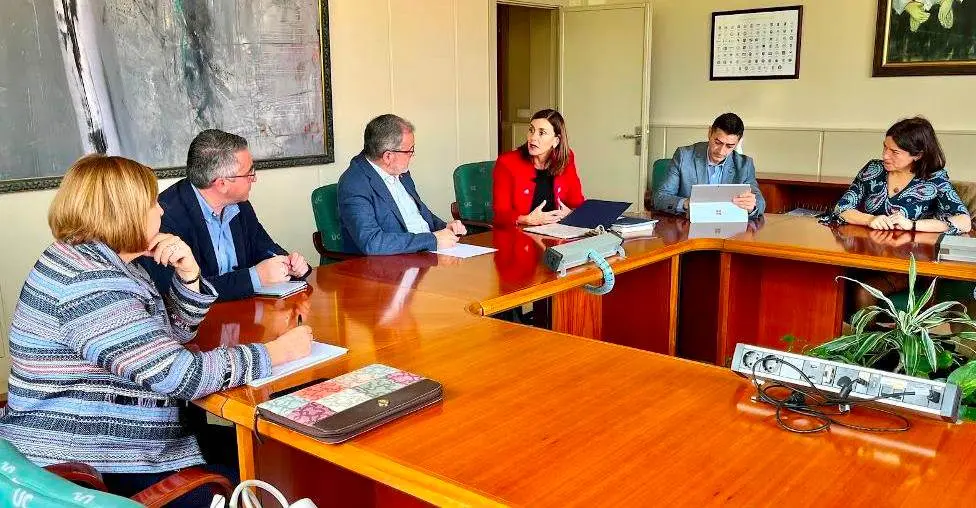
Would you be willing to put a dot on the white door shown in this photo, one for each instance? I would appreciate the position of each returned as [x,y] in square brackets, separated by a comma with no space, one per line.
[604,96]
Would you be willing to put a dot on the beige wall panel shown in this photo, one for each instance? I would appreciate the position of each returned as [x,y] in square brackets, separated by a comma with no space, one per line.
[960,157]
[282,201]
[683,136]
[783,151]
[656,149]
[425,91]
[24,235]
[361,83]
[476,120]
[846,152]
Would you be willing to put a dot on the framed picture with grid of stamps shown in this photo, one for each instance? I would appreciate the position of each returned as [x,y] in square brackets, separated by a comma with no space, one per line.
[756,43]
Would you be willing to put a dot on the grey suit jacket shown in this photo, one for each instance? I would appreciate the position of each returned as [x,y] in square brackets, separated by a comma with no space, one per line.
[688,167]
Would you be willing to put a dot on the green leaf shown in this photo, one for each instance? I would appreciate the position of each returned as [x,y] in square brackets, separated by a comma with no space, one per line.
[911,283]
[965,378]
[920,304]
[967,413]
[936,309]
[869,342]
[873,292]
[944,360]
[839,344]
[864,317]
[911,355]
[790,341]
[928,346]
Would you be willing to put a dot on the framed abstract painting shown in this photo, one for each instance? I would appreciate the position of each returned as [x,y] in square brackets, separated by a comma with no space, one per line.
[141,78]
[925,38]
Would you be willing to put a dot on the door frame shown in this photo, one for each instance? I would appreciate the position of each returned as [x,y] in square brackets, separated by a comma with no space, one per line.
[645,116]
[553,5]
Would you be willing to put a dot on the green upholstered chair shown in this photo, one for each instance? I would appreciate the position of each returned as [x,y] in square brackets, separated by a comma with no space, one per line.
[472,189]
[24,484]
[328,237]
[655,178]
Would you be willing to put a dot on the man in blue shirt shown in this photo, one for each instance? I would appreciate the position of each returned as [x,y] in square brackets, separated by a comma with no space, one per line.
[711,162]
[380,209]
[210,211]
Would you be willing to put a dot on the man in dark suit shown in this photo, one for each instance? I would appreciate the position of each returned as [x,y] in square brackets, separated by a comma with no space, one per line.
[379,207]
[711,162]
[209,210]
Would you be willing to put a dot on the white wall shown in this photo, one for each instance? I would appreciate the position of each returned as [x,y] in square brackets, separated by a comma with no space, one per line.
[830,121]
[430,61]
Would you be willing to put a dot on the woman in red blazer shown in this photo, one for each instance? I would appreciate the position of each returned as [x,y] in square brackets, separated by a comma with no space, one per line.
[537,182]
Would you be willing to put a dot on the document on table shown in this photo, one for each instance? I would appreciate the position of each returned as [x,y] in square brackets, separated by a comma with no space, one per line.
[463,250]
[282,290]
[320,353]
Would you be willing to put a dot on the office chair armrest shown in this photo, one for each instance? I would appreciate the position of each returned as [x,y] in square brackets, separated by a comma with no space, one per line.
[455,211]
[317,241]
[331,254]
[180,483]
[477,224]
[80,473]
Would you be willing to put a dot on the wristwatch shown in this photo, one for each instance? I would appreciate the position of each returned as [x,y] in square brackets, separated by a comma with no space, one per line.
[913,225]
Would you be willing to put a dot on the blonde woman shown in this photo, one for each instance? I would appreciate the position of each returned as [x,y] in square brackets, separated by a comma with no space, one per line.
[99,371]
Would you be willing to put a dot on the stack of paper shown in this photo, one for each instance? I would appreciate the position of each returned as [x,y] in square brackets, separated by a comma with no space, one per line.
[282,290]
[626,225]
[463,250]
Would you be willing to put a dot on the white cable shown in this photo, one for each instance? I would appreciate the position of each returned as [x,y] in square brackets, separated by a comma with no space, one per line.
[250,499]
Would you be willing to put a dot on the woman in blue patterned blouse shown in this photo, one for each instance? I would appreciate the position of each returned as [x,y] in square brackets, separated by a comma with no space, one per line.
[99,368]
[908,189]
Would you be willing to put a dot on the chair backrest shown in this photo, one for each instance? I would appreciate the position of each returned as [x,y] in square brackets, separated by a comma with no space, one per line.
[24,484]
[967,192]
[658,171]
[325,207]
[472,189]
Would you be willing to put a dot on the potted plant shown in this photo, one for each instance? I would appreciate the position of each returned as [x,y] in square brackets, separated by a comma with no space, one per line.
[906,343]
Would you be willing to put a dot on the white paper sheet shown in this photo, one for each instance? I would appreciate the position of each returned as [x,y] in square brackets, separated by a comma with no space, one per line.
[320,353]
[463,250]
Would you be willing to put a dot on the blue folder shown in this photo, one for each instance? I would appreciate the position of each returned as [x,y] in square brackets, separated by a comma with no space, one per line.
[595,212]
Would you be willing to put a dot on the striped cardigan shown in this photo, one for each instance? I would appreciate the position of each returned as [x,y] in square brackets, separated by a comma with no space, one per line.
[99,371]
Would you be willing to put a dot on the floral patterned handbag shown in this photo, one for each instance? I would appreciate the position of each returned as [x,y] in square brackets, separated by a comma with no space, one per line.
[340,408]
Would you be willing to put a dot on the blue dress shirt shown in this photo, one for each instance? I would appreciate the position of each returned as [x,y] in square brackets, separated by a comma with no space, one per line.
[223,241]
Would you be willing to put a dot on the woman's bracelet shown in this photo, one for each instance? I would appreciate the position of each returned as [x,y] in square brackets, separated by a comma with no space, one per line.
[188,282]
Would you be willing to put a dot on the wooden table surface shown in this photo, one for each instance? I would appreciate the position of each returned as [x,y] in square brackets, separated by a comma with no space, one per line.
[536,418]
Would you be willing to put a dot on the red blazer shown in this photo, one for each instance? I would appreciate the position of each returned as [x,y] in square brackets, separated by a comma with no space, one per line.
[514,187]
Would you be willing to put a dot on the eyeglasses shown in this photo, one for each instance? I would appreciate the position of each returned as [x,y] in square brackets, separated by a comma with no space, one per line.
[410,151]
[249,175]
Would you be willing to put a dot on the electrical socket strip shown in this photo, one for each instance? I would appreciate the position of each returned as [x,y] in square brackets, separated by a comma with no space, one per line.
[933,399]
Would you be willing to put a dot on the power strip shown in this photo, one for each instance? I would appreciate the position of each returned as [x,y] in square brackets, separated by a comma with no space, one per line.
[933,399]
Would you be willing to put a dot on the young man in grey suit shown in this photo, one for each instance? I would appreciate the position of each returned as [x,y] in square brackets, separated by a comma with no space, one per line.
[711,162]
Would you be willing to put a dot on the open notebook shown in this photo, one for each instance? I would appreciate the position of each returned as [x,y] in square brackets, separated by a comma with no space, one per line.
[320,352]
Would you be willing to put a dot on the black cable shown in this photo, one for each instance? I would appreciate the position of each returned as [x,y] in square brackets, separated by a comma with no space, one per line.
[806,403]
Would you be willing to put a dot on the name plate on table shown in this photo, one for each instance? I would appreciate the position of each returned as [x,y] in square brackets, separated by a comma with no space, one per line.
[713,203]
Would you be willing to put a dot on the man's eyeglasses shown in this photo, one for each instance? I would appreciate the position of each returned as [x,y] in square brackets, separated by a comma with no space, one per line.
[249,175]
[410,151]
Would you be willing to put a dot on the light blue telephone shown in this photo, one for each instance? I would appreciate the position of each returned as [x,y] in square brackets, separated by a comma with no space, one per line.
[597,248]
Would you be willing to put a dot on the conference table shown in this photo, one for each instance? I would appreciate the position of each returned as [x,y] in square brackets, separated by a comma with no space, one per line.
[625,402]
